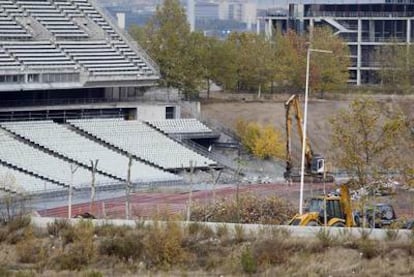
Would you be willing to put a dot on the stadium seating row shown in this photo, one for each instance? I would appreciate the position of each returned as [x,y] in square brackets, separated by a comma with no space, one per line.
[38,156]
[175,126]
[30,159]
[96,57]
[64,141]
[143,141]
[15,181]
[51,35]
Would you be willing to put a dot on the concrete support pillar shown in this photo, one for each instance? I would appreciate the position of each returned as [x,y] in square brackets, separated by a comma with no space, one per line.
[359,52]
[408,31]
[268,28]
[372,30]
[311,29]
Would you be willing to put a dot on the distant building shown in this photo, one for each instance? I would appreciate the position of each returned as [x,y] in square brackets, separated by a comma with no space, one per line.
[364,24]
[243,11]
[206,10]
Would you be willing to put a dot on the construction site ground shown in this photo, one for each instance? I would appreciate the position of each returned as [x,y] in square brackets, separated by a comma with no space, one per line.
[226,110]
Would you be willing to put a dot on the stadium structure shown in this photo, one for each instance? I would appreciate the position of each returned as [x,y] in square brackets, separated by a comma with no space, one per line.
[80,106]
[365,25]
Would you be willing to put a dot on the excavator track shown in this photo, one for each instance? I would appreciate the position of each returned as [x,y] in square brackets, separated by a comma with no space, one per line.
[311,178]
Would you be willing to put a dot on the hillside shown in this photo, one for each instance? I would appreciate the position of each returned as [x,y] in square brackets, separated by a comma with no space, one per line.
[228,108]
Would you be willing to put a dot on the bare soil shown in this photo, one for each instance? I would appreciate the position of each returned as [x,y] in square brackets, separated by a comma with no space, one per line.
[227,109]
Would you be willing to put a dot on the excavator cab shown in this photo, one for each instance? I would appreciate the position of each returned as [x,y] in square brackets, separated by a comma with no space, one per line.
[318,165]
[315,166]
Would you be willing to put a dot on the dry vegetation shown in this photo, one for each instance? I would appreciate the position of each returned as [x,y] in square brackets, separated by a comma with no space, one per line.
[247,208]
[171,248]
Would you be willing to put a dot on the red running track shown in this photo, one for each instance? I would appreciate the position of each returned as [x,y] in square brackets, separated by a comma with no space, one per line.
[149,204]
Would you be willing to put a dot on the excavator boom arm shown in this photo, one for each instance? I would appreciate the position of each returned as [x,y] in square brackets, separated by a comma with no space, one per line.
[293,102]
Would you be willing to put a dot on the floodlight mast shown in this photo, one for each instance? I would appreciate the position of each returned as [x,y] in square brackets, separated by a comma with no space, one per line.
[305,119]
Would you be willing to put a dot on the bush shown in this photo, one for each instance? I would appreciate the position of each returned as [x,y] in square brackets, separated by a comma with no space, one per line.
[325,238]
[275,250]
[109,230]
[126,248]
[197,231]
[30,251]
[249,209]
[368,248]
[263,142]
[239,233]
[391,234]
[248,262]
[222,231]
[81,247]
[71,261]
[57,227]
[18,223]
[163,245]
[93,273]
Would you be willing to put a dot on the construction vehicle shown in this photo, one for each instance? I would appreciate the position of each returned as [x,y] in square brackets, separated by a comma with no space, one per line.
[331,209]
[315,166]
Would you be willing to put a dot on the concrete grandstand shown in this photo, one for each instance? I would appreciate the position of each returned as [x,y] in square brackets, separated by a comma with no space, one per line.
[76,90]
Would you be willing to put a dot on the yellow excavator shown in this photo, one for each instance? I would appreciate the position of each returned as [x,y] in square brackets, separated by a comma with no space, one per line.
[315,166]
[334,210]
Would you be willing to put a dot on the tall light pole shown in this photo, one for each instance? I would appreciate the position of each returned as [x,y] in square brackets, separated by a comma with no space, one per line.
[305,119]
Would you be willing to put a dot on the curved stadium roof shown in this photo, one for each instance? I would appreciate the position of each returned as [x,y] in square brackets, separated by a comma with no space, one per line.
[47,44]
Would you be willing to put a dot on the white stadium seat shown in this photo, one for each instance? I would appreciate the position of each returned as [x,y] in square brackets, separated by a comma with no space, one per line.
[144,142]
[61,139]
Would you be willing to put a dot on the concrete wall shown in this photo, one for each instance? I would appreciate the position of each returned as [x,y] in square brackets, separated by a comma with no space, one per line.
[252,230]
[155,112]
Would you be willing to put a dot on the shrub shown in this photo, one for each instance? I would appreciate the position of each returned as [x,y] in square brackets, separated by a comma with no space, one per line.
[368,248]
[199,231]
[25,274]
[3,234]
[163,245]
[68,235]
[109,230]
[269,252]
[248,262]
[125,248]
[325,238]
[5,272]
[70,261]
[93,273]
[263,142]
[222,231]
[57,227]
[249,209]
[18,223]
[30,251]
[391,234]
[81,247]
[239,233]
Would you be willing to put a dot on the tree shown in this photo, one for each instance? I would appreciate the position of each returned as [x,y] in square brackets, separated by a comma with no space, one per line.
[256,65]
[365,140]
[328,71]
[224,55]
[396,62]
[290,59]
[168,40]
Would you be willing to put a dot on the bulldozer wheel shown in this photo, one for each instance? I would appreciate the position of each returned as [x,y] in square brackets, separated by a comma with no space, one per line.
[338,224]
[312,223]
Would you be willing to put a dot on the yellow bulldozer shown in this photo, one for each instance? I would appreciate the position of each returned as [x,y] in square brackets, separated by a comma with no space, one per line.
[330,210]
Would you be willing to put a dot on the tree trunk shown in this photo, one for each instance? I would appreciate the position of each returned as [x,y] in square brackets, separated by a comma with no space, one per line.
[208,88]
